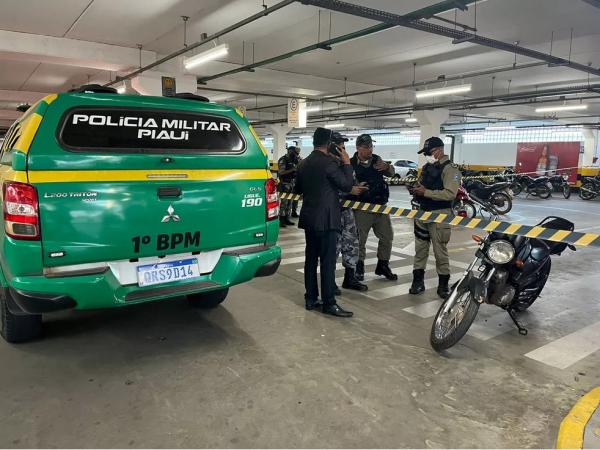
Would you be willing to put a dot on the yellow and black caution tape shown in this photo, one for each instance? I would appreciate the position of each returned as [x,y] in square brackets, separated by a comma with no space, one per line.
[569,237]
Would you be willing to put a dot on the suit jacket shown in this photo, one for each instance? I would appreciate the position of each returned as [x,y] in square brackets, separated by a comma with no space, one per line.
[319,180]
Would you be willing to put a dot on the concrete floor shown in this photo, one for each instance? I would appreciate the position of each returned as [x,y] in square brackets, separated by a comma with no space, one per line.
[260,371]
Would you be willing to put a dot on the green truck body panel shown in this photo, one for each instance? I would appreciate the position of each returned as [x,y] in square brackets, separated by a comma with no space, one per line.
[91,216]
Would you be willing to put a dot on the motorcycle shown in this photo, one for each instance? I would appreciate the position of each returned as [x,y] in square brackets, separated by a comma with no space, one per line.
[538,187]
[590,188]
[496,194]
[560,184]
[467,205]
[508,271]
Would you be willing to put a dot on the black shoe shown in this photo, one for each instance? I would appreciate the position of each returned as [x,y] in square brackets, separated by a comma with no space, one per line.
[295,215]
[282,222]
[359,273]
[313,305]
[443,290]
[383,268]
[350,281]
[287,221]
[335,310]
[337,290]
[418,283]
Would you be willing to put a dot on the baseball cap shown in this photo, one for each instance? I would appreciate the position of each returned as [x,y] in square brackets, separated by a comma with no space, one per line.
[431,143]
[322,136]
[338,138]
[364,139]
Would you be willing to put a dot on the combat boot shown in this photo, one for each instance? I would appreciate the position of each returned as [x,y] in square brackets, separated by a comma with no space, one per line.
[443,290]
[350,281]
[287,221]
[418,283]
[383,268]
[282,222]
[359,273]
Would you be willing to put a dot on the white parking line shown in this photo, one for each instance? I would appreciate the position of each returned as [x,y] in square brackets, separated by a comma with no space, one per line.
[424,310]
[569,349]
[392,291]
[485,328]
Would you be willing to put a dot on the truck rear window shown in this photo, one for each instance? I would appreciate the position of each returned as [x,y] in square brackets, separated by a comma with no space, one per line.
[131,130]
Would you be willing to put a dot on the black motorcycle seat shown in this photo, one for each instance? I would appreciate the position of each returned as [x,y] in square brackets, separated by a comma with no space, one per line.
[485,190]
[541,179]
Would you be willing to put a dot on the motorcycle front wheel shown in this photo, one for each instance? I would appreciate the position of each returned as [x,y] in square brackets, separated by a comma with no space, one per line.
[464,205]
[501,202]
[453,319]
[566,191]
[543,191]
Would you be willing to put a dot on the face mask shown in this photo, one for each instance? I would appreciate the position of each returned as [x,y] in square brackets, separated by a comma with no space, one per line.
[430,159]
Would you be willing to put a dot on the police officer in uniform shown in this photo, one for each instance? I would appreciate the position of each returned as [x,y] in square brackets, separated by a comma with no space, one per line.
[347,243]
[295,202]
[286,171]
[437,188]
[370,169]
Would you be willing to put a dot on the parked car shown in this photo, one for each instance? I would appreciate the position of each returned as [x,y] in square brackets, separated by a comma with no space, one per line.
[112,200]
[401,166]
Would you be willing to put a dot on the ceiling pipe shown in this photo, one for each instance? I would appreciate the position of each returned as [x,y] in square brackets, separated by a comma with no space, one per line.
[429,11]
[212,37]
[458,36]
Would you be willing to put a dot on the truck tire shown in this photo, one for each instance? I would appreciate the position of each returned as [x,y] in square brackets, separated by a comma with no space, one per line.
[16,328]
[208,300]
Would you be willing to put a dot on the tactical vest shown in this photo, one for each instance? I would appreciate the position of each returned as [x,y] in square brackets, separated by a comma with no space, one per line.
[285,163]
[431,178]
[379,191]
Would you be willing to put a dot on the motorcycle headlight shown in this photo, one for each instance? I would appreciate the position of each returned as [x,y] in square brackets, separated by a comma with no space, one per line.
[501,252]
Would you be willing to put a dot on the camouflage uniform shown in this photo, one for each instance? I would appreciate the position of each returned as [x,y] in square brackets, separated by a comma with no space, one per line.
[347,242]
[286,183]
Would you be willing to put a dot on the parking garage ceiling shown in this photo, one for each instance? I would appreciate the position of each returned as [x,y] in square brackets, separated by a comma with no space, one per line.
[102,42]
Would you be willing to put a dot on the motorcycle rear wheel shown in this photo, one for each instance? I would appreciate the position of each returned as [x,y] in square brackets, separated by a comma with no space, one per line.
[501,202]
[516,188]
[566,191]
[453,319]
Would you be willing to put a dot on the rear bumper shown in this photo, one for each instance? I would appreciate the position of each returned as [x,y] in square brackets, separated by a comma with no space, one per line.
[40,294]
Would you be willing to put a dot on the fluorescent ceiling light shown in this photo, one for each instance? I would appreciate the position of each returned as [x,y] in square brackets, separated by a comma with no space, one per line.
[313,109]
[335,125]
[502,127]
[411,132]
[209,55]
[411,120]
[305,137]
[444,91]
[561,108]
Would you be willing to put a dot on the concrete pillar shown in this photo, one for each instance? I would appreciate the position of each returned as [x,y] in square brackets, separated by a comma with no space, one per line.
[590,140]
[279,132]
[430,122]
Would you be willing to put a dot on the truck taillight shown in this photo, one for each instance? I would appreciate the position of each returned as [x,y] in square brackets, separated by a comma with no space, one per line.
[21,215]
[272,199]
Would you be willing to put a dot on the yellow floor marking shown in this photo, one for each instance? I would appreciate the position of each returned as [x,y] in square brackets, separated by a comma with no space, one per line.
[572,428]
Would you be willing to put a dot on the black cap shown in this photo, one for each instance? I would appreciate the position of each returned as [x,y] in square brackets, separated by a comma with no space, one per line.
[364,139]
[337,138]
[430,144]
[322,136]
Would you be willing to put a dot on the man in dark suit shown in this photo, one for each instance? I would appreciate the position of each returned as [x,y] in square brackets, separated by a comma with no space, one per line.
[319,179]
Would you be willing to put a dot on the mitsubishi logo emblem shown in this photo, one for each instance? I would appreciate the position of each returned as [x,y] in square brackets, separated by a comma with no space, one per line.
[170,215]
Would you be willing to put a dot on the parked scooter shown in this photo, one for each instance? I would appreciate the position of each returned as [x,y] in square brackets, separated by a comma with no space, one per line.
[590,188]
[508,271]
[496,194]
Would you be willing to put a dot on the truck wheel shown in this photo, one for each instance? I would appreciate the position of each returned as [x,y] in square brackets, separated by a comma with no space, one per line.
[208,300]
[18,327]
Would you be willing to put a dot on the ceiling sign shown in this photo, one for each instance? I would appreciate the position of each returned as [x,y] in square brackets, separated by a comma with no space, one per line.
[297,113]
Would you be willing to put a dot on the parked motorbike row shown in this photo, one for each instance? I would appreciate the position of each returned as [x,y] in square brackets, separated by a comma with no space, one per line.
[590,188]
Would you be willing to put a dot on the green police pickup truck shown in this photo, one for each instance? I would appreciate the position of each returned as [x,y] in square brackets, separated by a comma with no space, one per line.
[111,200]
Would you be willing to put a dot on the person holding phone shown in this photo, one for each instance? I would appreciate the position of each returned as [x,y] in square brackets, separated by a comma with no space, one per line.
[370,170]
[319,179]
